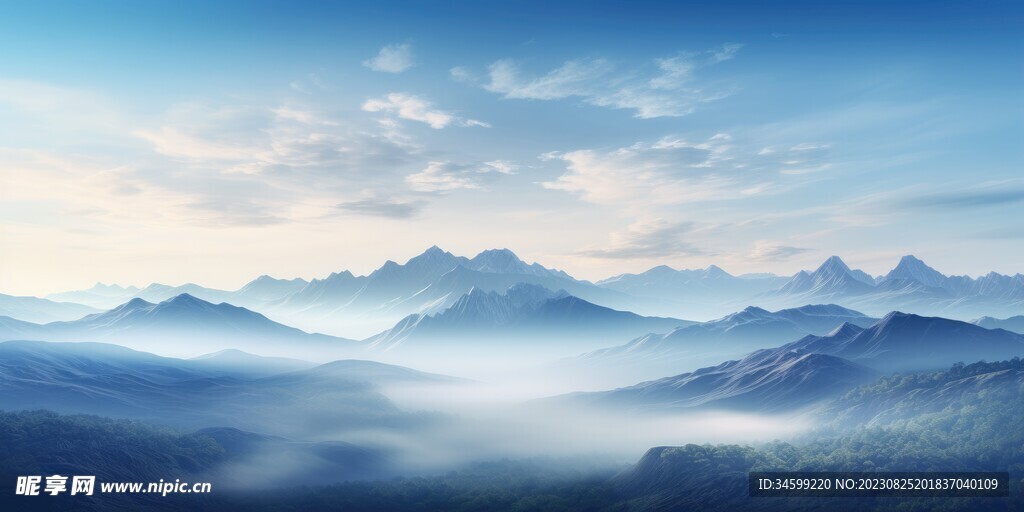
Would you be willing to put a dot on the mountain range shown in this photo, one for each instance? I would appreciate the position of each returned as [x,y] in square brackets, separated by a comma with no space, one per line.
[910,286]
[815,368]
[525,315]
[1012,324]
[903,342]
[426,284]
[663,290]
[34,309]
[255,294]
[733,335]
[359,306]
[764,381]
[182,325]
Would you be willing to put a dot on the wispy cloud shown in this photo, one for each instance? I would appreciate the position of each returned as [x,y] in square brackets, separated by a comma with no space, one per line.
[649,239]
[677,170]
[664,87]
[977,198]
[387,208]
[234,164]
[448,176]
[393,58]
[407,106]
[768,251]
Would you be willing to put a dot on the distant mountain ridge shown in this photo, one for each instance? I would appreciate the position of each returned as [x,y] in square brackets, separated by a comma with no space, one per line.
[832,278]
[1012,324]
[180,322]
[663,290]
[432,281]
[255,293]
[34,309]
[911,285]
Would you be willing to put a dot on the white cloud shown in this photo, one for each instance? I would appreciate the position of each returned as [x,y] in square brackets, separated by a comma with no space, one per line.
[236,164]
[675,170]
[375,205]
[502,166]
[725,52]
[768,251]
[574,78]
[661,88]
[448,176]
[652,238]
[669,171]
[393,58]
[407,106]
[461,74]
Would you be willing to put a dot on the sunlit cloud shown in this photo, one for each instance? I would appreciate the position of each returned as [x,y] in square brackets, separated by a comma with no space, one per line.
[448,176]
[407,106]
[650,239]
[768,251]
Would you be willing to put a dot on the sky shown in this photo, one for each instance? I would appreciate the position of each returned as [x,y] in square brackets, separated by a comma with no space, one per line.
[183,142]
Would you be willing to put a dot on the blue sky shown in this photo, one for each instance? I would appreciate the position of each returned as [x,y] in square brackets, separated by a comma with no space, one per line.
[180,141]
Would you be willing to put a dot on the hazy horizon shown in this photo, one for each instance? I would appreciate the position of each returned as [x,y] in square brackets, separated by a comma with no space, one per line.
[234,284]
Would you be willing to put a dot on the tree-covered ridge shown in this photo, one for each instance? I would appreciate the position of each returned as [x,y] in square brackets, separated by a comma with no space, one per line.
[911,397]
[108,448]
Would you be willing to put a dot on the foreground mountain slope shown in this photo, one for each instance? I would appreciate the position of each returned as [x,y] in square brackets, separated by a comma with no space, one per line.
[904,397]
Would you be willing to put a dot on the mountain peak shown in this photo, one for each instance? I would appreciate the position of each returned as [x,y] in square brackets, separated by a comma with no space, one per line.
[504,261]
[503,255]
[344,274]
[831,278]
[135,303]
[186,300]
[912,269]
[833,264]
[434,251]
[895,315]
[845,330]
[715,271]
[910,258]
